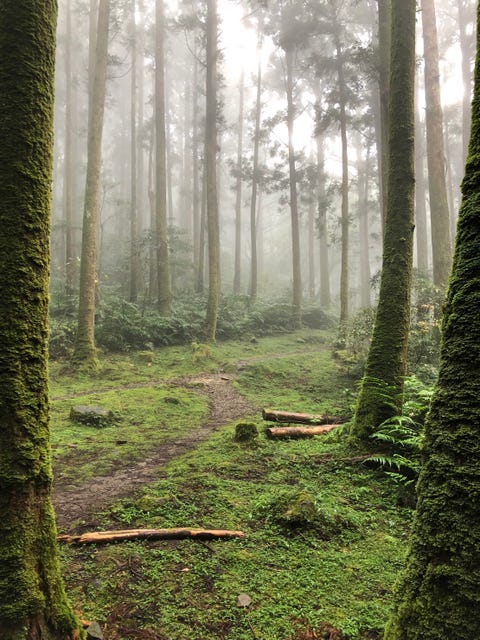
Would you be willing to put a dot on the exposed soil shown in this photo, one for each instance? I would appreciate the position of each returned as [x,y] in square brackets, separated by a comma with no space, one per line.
[76,504]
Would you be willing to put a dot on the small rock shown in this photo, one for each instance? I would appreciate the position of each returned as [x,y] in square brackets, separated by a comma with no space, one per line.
[91,415]
[170,400]
[94,631]
[244,600]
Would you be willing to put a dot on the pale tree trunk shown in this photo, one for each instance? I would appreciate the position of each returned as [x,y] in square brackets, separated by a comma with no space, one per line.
[161,228]
[439,215]
[253,200]
[213,231]
[363,169]
[344,276]
[200,275]
[33,605]
[296,268]
[85,339]
[465,8]
[237,275]
[325,299]
[421,230]
[311,248]
[69,172]
[141,183]
[195,170]
[384,18]
[134,258]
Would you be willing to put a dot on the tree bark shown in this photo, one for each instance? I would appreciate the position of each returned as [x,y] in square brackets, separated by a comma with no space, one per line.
[363,226]
[213,230]
[33,605]
[325,299]
[438,593]
[420,194]
[296,265]
[237,272]
[382,386]
[384,34]
[85,352]
[255,169]
[161,225]
[439,215]
[134,261]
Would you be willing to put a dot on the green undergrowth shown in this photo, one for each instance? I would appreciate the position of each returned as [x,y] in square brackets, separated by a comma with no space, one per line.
[324,539]
[144,418]
[339,570]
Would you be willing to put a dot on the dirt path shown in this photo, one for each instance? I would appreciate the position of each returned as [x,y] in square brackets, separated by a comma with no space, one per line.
[76,504]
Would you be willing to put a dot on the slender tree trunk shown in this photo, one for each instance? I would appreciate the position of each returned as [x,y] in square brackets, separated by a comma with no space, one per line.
[466,50]
[237,275]
[384,28]
[420,195]
[200,283]
[382,386]
[363,226]
[161,227]
[213,230]
[142,216]
[296,268]
[255,171]
[69,174]
[311,248]
[448,178]
[438,594]
[33,605]
[134,261]
[325,299]
[85,352]
[195,170]
[439,216]
[344,276]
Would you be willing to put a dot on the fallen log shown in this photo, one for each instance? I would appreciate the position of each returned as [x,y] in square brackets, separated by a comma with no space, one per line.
[297,418]
[104,537]
[299,432]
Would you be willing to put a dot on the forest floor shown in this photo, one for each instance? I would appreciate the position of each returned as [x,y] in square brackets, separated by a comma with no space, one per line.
[169,460]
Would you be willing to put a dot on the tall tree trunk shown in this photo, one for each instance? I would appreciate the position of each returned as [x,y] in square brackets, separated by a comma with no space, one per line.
[256,145]
[69,174]
[463,24]
[237,273]
[134,261]
[296,268]
[141,183]
[85,339]
[161,226]
[311,248]
[384,29]
[196,172]
[363,226]
[439,590]
[420,194]
[382,386]
[439,216]
[325,299]
[213,230]
[33,605]
[344,276]
[200,279]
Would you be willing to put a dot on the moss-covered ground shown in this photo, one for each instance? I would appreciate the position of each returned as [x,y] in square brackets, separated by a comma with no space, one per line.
[336,571]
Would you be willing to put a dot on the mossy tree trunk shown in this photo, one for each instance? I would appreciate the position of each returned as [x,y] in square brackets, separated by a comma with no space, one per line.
[382,386]
[85,352]
[439,594]
[33,605]
[212,221]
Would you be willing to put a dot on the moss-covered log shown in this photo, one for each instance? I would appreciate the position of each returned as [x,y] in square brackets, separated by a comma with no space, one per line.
[33,605]
[439,594]
[382,387]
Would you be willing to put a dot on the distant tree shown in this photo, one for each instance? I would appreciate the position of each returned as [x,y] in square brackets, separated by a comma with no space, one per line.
[213,230]
[161,214]
[382,386]
[439,215]
[85,352]
[384,30]
[33,605]
[439,593]
[237,275]
[134,256]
